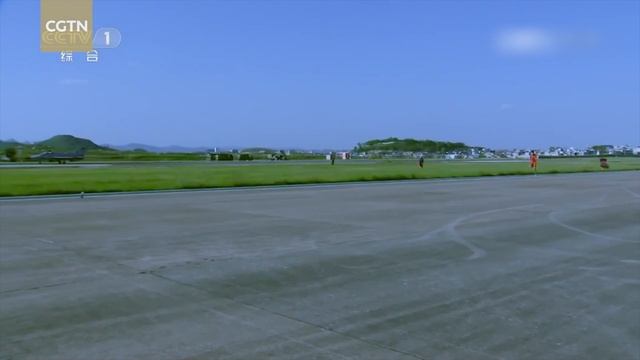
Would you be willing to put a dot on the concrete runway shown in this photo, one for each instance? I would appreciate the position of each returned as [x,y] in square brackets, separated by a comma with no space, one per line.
[544,267]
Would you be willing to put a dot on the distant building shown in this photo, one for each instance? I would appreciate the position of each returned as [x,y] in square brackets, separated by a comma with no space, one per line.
[344,155]
[520,154]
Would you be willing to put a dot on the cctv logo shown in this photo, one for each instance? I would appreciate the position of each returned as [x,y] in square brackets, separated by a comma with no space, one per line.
[66,25]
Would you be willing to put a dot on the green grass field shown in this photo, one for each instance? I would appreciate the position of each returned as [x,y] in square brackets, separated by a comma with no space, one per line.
[193,175]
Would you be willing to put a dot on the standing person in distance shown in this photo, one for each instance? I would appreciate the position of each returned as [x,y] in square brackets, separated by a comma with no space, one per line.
[533,160]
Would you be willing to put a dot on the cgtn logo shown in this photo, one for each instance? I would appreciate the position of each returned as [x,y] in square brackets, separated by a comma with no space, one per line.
[66,25]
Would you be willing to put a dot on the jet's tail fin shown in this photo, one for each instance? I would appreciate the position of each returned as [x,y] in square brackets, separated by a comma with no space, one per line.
[80,153]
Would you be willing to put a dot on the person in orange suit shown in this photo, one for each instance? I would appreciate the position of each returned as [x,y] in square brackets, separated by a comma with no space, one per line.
[533,161]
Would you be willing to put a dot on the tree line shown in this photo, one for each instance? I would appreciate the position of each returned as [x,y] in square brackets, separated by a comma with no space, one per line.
[413,145]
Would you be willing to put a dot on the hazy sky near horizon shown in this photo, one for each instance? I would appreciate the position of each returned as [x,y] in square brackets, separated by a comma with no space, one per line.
[319,74]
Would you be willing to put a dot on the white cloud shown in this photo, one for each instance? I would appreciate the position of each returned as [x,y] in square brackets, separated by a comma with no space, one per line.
[525,41]
[539,41]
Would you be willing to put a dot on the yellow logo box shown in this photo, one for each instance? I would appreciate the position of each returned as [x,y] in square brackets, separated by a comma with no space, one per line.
[66,25]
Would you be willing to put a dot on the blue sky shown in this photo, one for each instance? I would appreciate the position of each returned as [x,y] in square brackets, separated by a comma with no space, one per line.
[330,74]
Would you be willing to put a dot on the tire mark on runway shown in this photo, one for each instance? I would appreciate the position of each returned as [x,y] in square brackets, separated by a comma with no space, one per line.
[294,319]
[635,194]
[249,323]
[476,252]
[553,217]
[630,261]
[450,229]
[38,287]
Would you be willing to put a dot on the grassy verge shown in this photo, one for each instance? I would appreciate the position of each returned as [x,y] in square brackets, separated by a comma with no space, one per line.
[152,176]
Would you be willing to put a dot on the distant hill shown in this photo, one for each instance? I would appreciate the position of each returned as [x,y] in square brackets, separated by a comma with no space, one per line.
[9,143]
[395,144]
[158,149]
[68,143]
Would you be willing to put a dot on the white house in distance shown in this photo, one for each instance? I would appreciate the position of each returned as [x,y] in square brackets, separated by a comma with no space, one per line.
[519,154]
[344,155]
